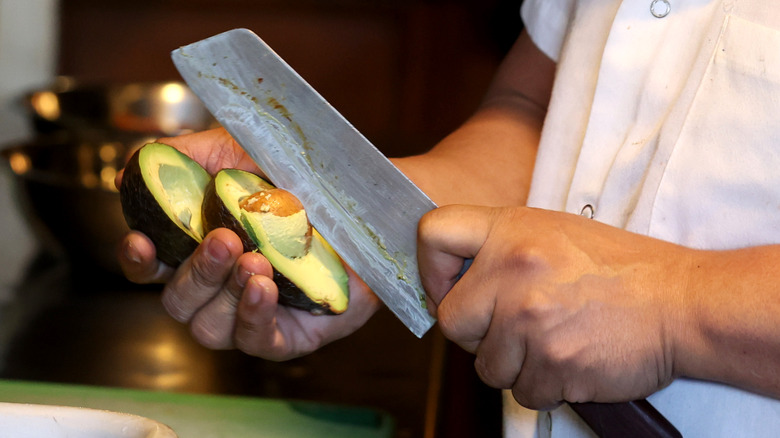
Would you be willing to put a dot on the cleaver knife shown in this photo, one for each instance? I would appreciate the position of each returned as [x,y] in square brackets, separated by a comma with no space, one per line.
[354,196]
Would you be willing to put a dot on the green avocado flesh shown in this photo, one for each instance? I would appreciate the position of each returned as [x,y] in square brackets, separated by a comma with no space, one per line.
[318,273]
[313,280]
[161,195]
[287,235]
[179,190]
[223,194]
[175,202]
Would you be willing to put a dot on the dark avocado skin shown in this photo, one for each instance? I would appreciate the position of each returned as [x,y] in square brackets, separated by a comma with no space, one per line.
[290,295]
[217,215]
[144,214]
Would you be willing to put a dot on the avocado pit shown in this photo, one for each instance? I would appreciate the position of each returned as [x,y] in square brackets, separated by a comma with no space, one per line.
[284,219]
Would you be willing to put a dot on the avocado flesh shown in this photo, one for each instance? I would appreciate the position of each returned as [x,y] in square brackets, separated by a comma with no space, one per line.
[161,196]
[318,273]
[220,203]
[287,234]
[298,287]
[178,184]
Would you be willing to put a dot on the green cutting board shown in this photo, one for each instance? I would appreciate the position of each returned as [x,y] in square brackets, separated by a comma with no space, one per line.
[212,416]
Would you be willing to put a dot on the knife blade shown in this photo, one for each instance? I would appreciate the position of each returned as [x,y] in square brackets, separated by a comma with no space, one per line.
[354,196]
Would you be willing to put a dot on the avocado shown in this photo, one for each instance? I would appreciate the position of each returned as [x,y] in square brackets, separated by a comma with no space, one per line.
[161,195]
[307,271]
[221,198]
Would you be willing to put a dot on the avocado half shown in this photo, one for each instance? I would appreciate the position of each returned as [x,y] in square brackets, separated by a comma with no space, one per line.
[161,195]
[307,271]
[221,198]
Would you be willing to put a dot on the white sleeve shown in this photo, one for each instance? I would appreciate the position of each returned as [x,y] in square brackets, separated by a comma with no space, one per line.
[547,22]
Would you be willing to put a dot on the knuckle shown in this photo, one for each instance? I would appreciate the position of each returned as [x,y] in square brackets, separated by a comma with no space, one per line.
[206,273]
[533,398]
[246,347]
[248,339]
[427,221]
[258,349]
[554,356]
[538,309]
[575,392]
[433,223]
[209,336]
[490,375]
[176,307]
[449,323]
[525,257]
[231,296]
[522,397]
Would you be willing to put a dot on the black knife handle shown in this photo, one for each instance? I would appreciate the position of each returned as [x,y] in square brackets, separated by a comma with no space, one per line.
[636,419]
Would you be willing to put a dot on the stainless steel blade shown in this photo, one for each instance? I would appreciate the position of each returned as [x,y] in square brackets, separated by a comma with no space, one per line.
[355,197]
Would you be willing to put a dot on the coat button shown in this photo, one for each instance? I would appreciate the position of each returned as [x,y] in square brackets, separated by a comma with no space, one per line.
[660,8]
[587,211]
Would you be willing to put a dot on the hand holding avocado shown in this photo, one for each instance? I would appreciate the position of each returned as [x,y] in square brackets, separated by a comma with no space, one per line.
[175,202]
[227,294]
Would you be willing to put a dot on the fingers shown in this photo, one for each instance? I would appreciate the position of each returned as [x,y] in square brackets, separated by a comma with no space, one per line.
[213,325]
[446,237]
[503,360]
[500,354]
[138,259]
[468,308]
[214,149]
[275,332]
[202,275]
[257,331]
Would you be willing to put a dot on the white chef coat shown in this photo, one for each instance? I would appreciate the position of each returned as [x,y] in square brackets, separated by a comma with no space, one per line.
[668,127]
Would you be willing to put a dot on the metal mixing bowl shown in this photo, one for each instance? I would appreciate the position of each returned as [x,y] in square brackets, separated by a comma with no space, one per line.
[65,191]
[124,110]
[64,176]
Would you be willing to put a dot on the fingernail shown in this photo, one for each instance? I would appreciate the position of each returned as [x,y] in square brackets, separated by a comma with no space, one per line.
[254,295]
[131,254]
[217,251]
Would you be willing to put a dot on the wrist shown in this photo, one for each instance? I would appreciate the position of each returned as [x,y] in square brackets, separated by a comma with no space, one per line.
[690,345]
[729,333]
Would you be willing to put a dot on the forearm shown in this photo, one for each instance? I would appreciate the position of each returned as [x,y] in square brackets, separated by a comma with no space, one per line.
[490,158]
[487,161]
[733,319]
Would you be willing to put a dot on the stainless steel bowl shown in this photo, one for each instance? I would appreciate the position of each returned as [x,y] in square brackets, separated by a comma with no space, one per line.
[64,176]
[104,111]
[65,190]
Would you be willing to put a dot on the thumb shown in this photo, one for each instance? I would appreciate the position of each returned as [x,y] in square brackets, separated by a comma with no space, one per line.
[447,238]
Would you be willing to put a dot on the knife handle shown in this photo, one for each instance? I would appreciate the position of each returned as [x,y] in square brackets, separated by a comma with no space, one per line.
[637,419]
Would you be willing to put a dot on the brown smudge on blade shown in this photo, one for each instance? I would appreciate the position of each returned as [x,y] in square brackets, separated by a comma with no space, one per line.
[228,83]
[281,109]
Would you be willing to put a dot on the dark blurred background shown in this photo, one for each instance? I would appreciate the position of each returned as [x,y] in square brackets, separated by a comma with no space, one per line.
[403,72]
